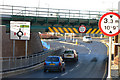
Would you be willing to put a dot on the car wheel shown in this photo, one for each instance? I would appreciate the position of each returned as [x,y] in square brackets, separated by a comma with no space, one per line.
[45,70]
[60,70]
[64,69]
[76,59]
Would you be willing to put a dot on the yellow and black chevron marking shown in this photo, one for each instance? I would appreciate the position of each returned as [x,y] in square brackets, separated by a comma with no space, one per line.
[73,30]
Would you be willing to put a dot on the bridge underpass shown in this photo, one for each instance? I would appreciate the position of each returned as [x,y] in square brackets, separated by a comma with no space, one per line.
[42,19]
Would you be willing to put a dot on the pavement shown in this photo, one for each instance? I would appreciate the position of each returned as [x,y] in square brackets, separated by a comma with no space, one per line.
[114,67]
[91,63]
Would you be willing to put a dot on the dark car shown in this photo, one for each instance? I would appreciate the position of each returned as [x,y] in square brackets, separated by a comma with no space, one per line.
[54,63]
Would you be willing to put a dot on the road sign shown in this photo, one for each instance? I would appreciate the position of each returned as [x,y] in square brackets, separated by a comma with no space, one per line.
[108,24]
[82,29]
[19,30]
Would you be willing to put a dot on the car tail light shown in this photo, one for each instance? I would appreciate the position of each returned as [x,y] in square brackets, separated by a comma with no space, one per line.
[74,55]
[44,63]
[59,64]
[63,55]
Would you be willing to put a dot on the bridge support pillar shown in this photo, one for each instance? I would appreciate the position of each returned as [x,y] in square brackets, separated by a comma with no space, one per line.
[1,36]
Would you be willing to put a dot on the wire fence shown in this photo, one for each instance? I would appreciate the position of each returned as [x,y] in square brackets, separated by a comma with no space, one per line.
[10,63]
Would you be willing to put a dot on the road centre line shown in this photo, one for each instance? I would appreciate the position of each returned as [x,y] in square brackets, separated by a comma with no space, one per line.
[53,78]
[75,44]
[66,43]
[89,50]
[77,65]
[64,74]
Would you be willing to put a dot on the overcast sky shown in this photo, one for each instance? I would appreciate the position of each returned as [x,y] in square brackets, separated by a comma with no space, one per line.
[101,5]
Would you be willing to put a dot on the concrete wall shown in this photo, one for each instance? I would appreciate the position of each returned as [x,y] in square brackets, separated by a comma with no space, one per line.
[34,45]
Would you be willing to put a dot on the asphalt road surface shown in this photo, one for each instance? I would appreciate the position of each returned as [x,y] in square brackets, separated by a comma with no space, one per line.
[91,62]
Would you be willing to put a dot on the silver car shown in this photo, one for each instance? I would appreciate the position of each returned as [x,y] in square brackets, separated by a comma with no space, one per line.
[70,54]
[87,39]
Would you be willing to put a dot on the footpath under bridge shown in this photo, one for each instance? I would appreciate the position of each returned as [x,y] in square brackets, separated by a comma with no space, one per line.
[42,19]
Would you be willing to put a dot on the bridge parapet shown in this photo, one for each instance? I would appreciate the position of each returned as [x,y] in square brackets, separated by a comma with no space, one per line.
[49,12]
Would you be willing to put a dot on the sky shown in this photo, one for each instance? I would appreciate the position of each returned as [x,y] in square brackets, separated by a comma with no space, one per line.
[95,5]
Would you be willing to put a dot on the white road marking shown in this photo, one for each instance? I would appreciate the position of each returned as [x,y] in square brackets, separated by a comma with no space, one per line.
[53,78]
[66,43]
[71,69]
[75,44]
[89,50]
[64,74]
[83,45]
[105,71]
[77,65]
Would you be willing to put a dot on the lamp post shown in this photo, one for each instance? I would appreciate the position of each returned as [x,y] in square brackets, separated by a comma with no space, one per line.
[38,3]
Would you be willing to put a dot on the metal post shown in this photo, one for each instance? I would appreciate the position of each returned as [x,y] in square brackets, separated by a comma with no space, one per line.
[12,10]
[109,63]
[101,36]
[26,50]
[65,36]
[13,49]
[9,63]
[73,37]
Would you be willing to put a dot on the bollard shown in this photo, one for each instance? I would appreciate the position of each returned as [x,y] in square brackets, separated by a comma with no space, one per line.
[76,42]
[101,36]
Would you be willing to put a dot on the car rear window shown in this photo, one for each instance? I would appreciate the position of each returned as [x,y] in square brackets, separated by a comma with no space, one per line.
[68,52]
[88,37]
[52,59]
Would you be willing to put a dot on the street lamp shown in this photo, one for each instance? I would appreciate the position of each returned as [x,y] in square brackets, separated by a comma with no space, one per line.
[38,3]
[48,7]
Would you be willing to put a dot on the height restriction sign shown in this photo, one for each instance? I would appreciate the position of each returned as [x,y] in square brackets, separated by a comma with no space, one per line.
[108,24]
[82,29]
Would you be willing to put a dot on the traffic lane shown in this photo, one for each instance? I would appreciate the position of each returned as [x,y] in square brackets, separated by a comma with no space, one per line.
[86,67]
[92,65]
[86,70]
[80,48]
[69,65]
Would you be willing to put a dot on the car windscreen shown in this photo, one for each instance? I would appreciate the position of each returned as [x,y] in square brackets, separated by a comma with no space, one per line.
[88,37]
[52,59]
[68,52]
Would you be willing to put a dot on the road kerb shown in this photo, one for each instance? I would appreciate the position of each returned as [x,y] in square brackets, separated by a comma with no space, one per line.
[102,41]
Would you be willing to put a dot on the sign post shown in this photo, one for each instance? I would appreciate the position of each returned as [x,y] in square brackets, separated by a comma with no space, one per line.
[13,48]
[19,30]
[108,25]
[73,37]
[26,50]
[110,52]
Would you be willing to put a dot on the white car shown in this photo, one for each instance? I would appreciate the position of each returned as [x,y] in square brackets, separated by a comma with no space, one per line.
[87,39]
[70,54]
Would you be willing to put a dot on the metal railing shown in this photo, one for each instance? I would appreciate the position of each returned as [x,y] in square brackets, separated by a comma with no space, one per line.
[49,12]
[10,63]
